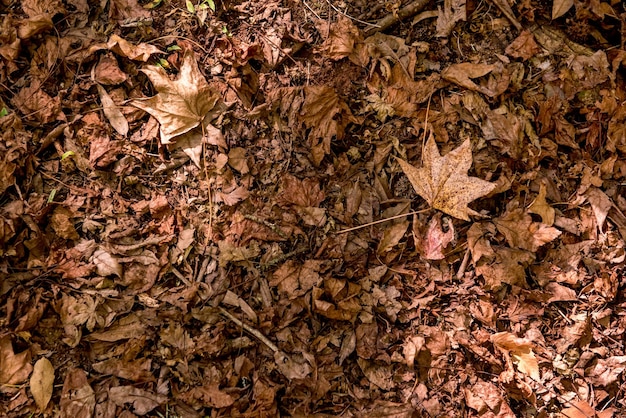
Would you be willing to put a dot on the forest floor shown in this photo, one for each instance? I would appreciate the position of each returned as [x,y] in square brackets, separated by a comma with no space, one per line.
[313,208]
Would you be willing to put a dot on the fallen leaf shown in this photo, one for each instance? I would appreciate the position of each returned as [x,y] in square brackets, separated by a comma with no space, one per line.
[560,7]
[486,399]
[14,368]
[524,46]
[41,382]
[463,73]
[443,181]
[181,104]
[112,112]
[453,11]
[582,409]
[540,207]
[142,401]
[122,47]
[78,399]
[520,350]
[342,37]
[521,232]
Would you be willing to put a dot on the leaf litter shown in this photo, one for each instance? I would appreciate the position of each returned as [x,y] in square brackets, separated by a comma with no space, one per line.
[228,209]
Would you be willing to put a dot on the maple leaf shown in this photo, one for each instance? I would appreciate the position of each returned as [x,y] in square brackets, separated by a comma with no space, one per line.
[181,104]
[443,181]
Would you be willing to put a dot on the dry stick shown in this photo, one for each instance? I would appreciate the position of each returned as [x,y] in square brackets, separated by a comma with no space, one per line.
[250,330]
[407,11]
[373,25]
[382,220]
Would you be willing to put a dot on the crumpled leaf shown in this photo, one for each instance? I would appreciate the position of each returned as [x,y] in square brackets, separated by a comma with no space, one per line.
[41,382]
[181,104]
[139,52]
[463,73]
[443,181]
[521,232]
[142,401]
[453,11]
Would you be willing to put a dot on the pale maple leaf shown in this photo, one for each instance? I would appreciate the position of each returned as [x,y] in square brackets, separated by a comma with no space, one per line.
[181,104]
[443,181]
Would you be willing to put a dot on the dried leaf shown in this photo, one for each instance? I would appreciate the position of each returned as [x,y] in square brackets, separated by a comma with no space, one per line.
[41,382]
[78,399]
[560,7]
[540,207]
[453,11]
[14,368]
[182,104]
[106,264]
[520,350]
[112,112]
[142,401]
[443,181]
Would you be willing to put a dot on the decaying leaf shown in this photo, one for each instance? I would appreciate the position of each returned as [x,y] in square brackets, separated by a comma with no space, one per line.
[443,181]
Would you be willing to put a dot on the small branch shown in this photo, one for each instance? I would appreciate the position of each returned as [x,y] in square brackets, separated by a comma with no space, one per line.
[250,330]
[381,221]
[407,11]
[371,25]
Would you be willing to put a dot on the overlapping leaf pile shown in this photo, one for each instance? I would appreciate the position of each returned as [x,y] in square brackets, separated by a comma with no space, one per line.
[183,185]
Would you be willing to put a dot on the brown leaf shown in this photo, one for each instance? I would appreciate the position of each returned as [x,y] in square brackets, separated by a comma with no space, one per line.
[524,46]
[520,350]
[378,374]
[14,368]
[142,401]
[486,399]
[77,398]
[521,232]
[122,47]
[392,236]
[463,73]
[182,104]
[560,7]
[341,39]
[112,112]
[443,181]
[582,409]
[453,11]
[41,382]
[606,372]
[540,207]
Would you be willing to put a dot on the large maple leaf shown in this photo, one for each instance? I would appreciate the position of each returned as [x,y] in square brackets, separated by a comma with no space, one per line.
[443,181]
[181,104]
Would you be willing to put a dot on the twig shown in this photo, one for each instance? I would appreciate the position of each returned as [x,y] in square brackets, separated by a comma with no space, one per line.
[407,11]
[371,25]
[250,330]
[463,266]
[382,220]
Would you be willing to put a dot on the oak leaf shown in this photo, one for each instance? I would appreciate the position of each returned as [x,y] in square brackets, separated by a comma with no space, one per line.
[443,181]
